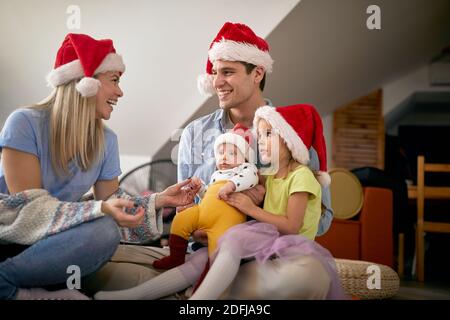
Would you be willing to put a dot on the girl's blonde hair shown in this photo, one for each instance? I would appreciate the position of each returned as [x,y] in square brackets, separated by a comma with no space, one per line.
[75,133]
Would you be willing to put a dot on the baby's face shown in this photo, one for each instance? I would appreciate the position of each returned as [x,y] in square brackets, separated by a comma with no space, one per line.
[228,156]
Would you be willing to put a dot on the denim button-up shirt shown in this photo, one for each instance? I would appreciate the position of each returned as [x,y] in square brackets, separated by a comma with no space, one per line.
[196,156]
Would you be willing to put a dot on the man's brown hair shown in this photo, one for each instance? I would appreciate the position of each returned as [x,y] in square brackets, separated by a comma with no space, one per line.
[249,68]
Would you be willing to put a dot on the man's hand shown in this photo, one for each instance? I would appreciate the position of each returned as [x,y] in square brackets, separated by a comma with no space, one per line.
[256,194]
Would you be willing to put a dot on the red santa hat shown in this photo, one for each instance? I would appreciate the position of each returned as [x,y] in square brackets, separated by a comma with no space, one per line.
[241,137]
[82,57]
[300,126]
[235,42]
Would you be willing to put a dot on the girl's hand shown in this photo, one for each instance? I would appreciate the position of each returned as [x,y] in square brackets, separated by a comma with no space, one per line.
[115,208]
[241,202]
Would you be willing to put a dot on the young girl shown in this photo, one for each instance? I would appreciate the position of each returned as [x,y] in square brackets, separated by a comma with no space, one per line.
[287,224]
[284,229]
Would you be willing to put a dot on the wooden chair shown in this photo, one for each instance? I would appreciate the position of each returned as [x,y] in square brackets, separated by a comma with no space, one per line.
[428,192]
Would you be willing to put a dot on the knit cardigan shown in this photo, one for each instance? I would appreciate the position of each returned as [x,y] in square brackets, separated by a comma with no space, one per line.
[29,216]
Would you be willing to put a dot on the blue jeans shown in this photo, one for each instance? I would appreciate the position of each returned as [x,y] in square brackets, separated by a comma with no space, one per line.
[88,246]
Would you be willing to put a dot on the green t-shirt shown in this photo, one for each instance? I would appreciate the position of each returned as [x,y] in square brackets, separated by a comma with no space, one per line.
[278,191]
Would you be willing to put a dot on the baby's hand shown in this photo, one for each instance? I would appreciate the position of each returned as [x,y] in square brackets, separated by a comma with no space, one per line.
[195,183]
[226,190]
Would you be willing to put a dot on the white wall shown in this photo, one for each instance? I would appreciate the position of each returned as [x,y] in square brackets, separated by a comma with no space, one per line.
[327,122]
[128,163]
[401,88]
[164,44]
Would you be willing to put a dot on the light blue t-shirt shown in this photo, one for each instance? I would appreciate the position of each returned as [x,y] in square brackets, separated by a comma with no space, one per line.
[27,130]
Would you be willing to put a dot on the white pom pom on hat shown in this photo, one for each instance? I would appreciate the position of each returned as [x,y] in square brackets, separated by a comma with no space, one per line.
[88,86]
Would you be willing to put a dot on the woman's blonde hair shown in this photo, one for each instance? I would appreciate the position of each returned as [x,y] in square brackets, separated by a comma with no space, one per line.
[75,133]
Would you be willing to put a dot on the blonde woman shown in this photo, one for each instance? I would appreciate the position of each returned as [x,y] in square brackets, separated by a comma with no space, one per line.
[61,145]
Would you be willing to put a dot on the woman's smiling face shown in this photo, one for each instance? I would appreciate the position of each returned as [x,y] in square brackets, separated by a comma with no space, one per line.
[108,94]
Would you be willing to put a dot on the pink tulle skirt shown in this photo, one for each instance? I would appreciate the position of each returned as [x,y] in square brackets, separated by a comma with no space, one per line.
[263,241]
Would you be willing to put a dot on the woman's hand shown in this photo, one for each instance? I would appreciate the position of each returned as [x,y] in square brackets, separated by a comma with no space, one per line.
[180,194]
[241,202]
[115,208]
[182,208]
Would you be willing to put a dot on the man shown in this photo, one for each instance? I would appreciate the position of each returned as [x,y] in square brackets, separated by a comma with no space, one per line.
[236,71]
[238,61]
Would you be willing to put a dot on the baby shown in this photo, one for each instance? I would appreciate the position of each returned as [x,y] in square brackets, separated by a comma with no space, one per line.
[236,172]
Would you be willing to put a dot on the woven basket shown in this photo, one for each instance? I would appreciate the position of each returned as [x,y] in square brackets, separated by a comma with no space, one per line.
[354,275]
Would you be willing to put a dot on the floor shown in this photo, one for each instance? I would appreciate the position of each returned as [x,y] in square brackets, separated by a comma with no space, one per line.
[437,272]
[413,290]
